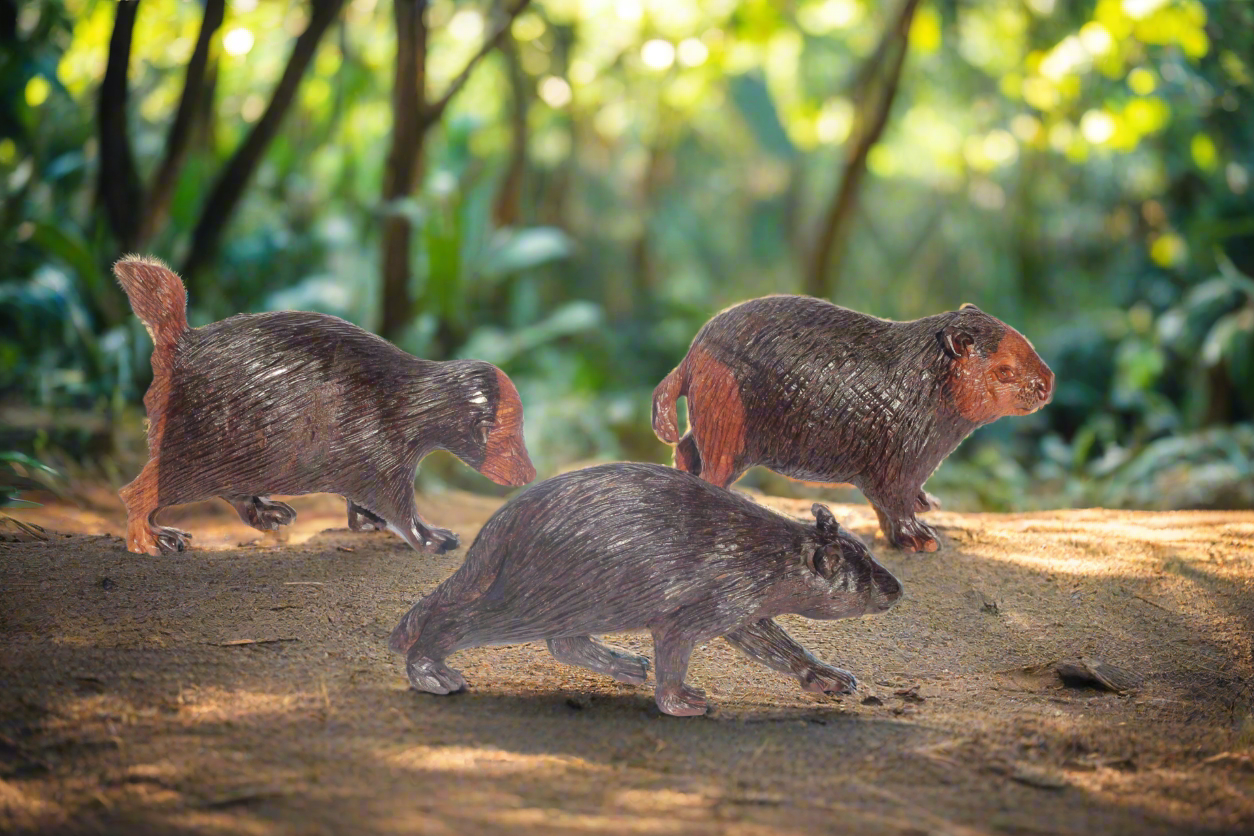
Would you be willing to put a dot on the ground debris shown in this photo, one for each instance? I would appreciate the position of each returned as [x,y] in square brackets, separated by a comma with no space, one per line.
[871,699]
[238,642]
[17,531]
[1040,777]
[1096,674]
[910,694]
[1237,760]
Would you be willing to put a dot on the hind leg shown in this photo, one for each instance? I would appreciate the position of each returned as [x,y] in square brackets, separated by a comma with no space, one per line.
[263,513]
[587,652]
[359,519]
[424,664]
[672,651]
[716,420]
[143,536]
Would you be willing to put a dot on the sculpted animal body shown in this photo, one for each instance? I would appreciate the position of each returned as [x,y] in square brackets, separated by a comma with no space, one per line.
[825,394]
[624,547]
[294,403]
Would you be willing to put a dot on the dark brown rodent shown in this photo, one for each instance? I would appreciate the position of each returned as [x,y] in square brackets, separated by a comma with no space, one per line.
[825,394]
[644,547]
[294,403]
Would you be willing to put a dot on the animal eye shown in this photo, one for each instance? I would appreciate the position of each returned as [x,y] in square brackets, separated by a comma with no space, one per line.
[1005,374]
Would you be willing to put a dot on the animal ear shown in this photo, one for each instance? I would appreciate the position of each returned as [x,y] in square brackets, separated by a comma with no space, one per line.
[825,522]
[821,562]
[955,342]
[967,306]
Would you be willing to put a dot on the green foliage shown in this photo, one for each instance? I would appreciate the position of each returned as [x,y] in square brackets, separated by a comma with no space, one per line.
[1080,170]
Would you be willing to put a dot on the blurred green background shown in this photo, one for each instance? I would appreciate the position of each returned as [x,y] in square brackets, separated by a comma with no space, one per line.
[570,188]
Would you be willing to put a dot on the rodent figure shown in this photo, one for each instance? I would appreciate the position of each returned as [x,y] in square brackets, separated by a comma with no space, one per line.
[622,547]
[292,403]
[824,394]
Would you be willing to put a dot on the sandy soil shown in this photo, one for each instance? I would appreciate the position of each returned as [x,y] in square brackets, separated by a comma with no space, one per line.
[244,687]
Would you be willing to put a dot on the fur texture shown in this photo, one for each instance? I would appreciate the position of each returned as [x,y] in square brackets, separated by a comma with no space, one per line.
[293,403]
[822,393]
[644,547]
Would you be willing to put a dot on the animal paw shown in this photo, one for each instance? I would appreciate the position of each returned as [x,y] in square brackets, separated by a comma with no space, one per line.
[825,679]
[629,668]
[434,677]
[916,536]
[267,514]
[681,700]
[170,540]
[440,540]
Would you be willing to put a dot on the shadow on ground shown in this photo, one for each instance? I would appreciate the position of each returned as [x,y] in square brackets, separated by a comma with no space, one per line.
[130,705]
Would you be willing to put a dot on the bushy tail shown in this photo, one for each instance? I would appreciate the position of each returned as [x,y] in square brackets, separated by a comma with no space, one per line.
[667,393]
[158,298]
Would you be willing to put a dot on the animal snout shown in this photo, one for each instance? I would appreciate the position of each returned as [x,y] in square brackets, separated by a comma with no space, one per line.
[1045,387]
[887,589]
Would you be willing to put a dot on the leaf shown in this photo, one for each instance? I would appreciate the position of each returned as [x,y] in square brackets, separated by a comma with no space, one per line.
[514,250]
[753,100]
[498,347]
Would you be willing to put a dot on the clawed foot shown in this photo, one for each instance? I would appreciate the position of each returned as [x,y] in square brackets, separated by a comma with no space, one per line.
[629,668]
[359,519]
[680,701]
[911,535]
[265,514]
[169,540]
[433,677]
[825,679]
[439,540]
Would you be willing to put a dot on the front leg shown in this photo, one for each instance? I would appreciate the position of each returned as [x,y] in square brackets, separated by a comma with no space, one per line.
[424,537]
[906,531]
[896,510]
[766,642]
[671,652]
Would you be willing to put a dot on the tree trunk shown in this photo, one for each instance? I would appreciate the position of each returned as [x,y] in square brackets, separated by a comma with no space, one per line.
[507,209]
[231,183]
[179,139]
[119,189]
[404,162]
[412,116]
[832,235]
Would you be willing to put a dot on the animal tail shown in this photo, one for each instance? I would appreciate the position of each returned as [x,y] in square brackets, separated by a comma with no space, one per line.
[158,298]
[665,396]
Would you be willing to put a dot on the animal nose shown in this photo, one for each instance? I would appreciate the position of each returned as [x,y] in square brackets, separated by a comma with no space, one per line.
[888,587]
[1045,387]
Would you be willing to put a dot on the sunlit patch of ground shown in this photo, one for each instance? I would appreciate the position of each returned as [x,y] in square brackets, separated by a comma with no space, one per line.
[247,689]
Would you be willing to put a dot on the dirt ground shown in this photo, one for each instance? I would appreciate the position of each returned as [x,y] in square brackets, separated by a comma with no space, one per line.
[244,687]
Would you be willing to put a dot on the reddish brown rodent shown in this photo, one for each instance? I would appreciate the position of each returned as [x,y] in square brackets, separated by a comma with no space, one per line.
[825,394]
[644,547]
[294,403]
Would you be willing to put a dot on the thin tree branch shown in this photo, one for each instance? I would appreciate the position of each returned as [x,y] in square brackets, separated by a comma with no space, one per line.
[119,190]
[833,230]
[179,138]
[231,183]
[435,109]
